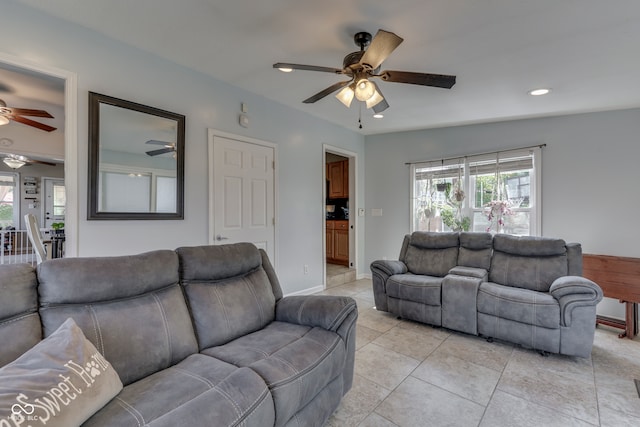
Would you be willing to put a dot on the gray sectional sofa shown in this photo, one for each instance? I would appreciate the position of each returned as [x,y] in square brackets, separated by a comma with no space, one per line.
[526,290]
[198,336]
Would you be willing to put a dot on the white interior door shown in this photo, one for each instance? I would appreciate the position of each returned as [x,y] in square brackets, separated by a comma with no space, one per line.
[55,200]
[243,198]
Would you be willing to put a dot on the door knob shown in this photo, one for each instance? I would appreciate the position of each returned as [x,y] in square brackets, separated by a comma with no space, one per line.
[219,237]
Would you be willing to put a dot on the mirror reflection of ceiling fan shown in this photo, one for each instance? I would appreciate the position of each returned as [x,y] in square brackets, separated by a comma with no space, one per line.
[363,65]
[16,161]
[18,115]
[169,147]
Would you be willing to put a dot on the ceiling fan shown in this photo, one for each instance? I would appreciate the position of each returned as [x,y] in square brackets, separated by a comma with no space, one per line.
[17,115]
[169,147]
[16,161]
[363,65]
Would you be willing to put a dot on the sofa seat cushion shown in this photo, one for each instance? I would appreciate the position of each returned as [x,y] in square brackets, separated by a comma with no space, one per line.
[198,391]
[416,288]
[520,305]
[297,362]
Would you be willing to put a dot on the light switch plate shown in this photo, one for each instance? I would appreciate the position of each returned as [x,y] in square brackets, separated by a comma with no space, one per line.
[376,212]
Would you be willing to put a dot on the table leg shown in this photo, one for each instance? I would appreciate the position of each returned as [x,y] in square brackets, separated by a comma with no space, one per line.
[631,320]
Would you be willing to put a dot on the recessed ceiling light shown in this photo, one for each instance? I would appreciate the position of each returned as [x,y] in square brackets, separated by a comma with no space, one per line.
[378,116]
[285,69]
[538,92]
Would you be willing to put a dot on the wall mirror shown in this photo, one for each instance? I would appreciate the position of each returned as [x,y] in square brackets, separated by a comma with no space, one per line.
[136,161]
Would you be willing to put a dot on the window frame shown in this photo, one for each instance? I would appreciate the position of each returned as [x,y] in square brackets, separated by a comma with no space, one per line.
[444,168]
[17,197]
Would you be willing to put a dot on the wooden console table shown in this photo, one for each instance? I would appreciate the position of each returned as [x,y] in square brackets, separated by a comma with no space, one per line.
[619,277]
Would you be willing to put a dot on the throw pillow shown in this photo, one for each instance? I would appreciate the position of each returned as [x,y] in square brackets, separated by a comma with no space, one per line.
[61,381]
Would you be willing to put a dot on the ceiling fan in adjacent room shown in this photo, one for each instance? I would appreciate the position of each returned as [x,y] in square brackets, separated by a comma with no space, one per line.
[364,65]
[16,161]
[18,115]
[169,147]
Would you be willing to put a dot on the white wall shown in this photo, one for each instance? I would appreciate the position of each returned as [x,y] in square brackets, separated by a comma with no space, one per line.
[589,178]
[109,67]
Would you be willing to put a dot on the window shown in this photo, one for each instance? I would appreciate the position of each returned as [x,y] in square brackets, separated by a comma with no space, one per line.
[496,192]
[9,195]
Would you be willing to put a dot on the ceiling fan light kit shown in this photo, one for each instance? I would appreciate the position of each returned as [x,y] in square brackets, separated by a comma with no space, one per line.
[346,95]
[14,163]
[364,65]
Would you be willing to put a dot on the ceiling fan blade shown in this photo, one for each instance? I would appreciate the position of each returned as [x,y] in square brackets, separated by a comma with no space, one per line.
[160,151]
[318,96]
[308,68]
[41,162]
[383,43]
[29,112]
[424,79]
[33,123]
[156,142]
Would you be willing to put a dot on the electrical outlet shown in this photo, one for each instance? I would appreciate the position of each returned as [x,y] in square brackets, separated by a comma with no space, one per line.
[306,269]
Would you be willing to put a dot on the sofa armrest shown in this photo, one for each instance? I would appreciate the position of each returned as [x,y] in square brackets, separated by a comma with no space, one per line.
[324,311]
[572,292]
[381,270]
[389,267]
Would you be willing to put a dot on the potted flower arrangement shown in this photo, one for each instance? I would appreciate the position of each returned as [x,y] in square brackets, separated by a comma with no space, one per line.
[495,211]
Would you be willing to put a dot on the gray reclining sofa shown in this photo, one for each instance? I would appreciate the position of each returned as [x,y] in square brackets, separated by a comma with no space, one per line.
[526,290]
[200,336]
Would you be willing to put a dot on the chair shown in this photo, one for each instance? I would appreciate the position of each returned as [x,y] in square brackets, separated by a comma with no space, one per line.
[33,231]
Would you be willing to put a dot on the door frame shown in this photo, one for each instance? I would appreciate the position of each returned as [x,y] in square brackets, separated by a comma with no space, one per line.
[70,144]
[353,207]
[211,133]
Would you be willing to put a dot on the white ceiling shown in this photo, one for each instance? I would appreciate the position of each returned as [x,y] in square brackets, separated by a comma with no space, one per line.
[587,51]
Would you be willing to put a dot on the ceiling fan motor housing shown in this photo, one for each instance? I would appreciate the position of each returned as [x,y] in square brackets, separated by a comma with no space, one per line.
[352,60]
[362,39]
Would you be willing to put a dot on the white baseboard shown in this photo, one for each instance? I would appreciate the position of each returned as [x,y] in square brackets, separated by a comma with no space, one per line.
[307,291]
[363,276]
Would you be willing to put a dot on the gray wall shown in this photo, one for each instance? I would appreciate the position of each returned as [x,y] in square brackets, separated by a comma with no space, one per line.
[589,178]
[112,68]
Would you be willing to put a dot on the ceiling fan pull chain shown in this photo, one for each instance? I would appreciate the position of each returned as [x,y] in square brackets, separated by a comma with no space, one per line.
[360,115]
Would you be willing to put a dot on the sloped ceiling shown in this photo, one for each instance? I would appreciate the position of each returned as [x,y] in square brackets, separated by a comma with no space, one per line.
[586,51]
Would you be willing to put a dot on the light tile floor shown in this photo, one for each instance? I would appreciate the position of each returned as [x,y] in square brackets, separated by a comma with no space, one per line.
[409,374]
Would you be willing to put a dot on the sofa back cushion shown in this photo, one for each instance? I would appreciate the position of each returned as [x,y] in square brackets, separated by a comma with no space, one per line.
[130,307]
[475,250]
[229,291]
[527,262]
[431,254]
[19,319]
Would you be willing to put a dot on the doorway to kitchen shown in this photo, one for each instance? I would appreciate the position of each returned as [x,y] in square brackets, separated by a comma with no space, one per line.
[339,225]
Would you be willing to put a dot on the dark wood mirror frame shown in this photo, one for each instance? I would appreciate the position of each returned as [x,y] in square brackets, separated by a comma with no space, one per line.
[95,100]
